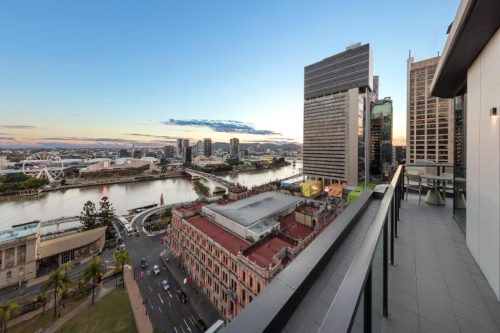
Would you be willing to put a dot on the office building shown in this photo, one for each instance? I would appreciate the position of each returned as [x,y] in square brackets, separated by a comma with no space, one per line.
[233,250]
[399,154]
[169,151]
[234,148]
[207,147]
[123,153]
[178,148]
[429,124]
[199,147]
[337,97]
[381,158]
[137,154]
[187,154]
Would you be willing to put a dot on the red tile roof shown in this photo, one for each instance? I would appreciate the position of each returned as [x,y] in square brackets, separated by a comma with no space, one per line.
[262,254]
[220,235]
[298,231]
[191,207]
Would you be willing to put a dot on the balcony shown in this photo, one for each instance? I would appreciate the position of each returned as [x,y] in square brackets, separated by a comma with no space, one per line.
[384,265]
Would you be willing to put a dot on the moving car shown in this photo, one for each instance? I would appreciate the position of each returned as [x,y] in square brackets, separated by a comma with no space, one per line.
[165,285]
[144,263]
[156,269]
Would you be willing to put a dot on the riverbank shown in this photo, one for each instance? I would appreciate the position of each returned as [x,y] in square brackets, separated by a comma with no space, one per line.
[101,182]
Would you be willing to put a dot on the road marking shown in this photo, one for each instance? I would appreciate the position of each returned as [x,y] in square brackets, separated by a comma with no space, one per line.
[169,294]
[151,290]
[191,320]
[159,309]
[185,322]
[160,299]
[175,329]
[152,307]
[169,304]
[182,329]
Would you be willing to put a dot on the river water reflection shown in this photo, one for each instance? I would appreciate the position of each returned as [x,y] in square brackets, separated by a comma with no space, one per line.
[123,196]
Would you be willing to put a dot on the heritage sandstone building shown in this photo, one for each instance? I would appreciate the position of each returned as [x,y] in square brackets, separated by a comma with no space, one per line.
[233,249]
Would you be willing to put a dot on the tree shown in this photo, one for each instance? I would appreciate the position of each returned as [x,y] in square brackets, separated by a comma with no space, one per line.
[6,311]
[93,271]
[59,282]
[66,267]
[122,258]
[106,215]
[42,299]
[88,216]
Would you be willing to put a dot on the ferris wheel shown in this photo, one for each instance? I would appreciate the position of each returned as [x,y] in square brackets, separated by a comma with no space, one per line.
[44,165]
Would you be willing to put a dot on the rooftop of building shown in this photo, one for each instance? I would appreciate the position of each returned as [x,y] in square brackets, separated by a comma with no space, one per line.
[263,252]
[220,235]
[248,211]
[298,231]
[19,231]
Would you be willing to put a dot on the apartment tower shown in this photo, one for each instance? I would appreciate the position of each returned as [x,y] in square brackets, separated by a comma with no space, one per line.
[234,148]
[429,131]
[337,98]
[207,147]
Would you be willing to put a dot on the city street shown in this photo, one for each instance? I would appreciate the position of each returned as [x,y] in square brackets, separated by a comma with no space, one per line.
[166,311]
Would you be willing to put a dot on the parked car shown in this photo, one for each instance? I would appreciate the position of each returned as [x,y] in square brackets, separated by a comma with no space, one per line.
[156,269]
[165,285]
[144,263]
[182,296]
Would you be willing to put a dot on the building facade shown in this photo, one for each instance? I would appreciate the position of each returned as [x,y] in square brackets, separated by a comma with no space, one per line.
[234,148]
[28,251]
[429,124]
[231,268]
[337,97]
[381,155]
[178,148]
[169,151]
[469,72]
[207,147]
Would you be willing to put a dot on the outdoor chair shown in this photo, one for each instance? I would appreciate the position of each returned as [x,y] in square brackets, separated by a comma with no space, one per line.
[414,182]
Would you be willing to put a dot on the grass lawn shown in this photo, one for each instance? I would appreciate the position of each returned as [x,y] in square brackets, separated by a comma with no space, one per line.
[111,314]
[46,319]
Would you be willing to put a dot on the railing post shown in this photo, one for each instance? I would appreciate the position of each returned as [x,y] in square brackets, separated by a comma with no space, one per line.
[393,221]
[368,304]
[386,269]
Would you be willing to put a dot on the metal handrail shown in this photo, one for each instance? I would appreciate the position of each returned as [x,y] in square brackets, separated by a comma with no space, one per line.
[357,282]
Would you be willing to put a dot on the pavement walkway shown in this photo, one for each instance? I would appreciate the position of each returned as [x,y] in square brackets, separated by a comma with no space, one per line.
[140,313]
[202,305]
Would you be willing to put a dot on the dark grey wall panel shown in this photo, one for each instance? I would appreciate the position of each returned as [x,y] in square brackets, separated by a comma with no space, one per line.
[343,71]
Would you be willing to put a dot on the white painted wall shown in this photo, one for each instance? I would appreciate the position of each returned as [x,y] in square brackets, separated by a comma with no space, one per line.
[483,162]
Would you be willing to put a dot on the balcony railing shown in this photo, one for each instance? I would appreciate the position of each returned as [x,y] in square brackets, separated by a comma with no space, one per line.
[362,298]
[368,273]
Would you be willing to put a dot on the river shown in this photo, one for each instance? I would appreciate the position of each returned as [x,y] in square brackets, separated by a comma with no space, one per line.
[69,202]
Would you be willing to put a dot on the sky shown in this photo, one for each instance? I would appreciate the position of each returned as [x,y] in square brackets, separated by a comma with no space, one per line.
[113,73]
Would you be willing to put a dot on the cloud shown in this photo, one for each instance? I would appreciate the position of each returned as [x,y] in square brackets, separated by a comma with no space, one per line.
[17,126]
[223,126]
[7,138]
[71,138]
[153,136]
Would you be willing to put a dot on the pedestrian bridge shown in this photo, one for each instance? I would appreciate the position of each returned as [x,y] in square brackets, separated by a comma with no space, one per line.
[216,180]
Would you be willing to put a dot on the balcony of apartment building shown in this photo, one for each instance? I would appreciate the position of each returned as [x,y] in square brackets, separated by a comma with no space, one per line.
[386,264]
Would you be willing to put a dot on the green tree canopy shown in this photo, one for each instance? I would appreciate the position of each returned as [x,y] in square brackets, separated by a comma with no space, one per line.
[88,216]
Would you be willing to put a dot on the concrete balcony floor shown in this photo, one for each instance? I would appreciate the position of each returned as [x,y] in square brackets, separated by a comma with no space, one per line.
[435,284]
